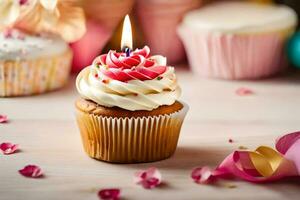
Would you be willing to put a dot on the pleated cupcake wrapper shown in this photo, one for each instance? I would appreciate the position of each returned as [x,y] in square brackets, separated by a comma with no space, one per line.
[27,77]
[159,22]
[130,140]
[235,56]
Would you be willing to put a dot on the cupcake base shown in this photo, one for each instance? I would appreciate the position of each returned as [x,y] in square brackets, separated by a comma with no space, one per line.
[28,77]
[111,135]
[235,56]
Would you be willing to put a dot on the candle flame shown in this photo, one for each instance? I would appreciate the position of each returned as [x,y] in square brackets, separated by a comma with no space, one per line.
[126,40]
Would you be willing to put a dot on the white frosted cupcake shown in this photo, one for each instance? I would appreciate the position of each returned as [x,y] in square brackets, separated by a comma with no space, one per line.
[129,110]
[237,40]
[32,64]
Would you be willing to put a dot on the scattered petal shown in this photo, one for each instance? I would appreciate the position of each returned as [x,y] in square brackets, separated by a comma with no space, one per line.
[8,148]
[109,194]
[31,171]
[149,178]
[202,175]
[23,2]
[3,119]
[244,91]
[8,33]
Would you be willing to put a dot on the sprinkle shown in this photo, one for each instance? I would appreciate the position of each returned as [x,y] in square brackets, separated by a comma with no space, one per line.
[106,67]
[167,90]
[230,140]
[8,148]
[96,75]
[243,147]
[3,119]
[31,171]
[109,194]
[105,81]
[159,78]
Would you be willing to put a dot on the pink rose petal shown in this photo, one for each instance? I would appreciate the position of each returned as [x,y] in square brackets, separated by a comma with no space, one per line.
[31,171]
[149,178]
[8,148]
[244,91]
[202,175]
[8,33]
[3,119]
[109,194]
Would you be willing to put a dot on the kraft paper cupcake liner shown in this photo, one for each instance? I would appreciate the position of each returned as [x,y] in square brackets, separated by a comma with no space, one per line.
[235,56]
[130,140]
[27,77]
[159,20]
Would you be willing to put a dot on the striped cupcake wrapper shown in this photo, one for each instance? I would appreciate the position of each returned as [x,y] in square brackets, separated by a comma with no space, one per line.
[130,140]
[27,77]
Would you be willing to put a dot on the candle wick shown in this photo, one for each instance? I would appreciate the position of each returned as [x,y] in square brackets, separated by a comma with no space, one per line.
[127,51]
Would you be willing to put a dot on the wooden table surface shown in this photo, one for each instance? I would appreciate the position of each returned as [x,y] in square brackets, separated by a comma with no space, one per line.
[45,128]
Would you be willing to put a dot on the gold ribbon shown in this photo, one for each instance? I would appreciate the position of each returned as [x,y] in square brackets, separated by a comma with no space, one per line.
[266,160]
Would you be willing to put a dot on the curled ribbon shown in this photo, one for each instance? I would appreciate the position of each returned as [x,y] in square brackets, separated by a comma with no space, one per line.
[264,164]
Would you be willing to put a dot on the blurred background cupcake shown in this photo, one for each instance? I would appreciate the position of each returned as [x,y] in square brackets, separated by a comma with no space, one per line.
[237,40]
[32,64]
[158,20]
[34,53]
[108,13]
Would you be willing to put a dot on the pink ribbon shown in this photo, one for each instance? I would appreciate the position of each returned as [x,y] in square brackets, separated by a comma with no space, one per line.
[264,164]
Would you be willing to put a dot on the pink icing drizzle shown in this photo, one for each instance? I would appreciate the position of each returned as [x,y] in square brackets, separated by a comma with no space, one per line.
[136,66]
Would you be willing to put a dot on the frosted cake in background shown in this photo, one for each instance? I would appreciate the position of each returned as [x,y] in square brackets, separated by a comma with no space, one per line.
[237,40]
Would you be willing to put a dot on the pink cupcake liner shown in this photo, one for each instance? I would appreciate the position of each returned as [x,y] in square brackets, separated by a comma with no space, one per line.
[159,20]
[108,13]
[89,46]
[234,56]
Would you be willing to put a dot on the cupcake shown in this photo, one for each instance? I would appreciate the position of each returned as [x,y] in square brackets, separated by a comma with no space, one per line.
[32,64]
[129,111]
[34,54]
[159,20]
[237,40]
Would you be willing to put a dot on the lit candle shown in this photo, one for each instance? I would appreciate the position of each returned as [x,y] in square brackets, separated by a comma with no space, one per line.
[126,41]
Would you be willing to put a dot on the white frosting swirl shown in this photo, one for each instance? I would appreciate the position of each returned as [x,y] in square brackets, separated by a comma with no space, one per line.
[241,17]
[132,95]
